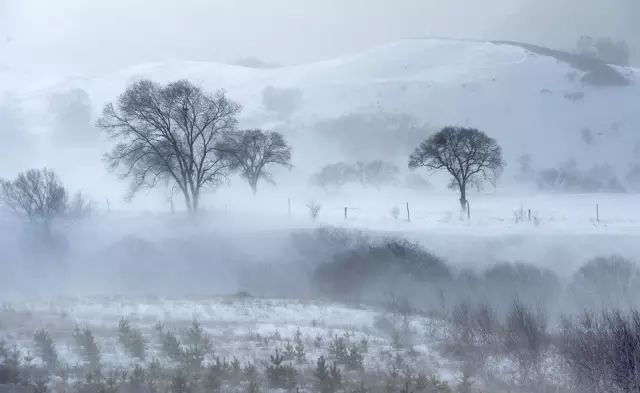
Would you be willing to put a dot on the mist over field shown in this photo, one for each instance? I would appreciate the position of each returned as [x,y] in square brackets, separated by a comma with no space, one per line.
[320,196]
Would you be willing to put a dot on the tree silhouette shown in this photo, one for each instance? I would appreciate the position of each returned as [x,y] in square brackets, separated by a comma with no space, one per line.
[468,154]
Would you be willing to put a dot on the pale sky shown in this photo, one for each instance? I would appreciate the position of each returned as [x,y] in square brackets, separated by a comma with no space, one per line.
[100,35]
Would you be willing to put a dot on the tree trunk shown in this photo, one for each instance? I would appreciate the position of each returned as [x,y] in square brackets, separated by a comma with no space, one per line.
[187,200]
[254,185]
[463,197]
[196,201]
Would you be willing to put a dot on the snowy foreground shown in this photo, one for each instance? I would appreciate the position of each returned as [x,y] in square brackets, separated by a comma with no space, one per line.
[241,327]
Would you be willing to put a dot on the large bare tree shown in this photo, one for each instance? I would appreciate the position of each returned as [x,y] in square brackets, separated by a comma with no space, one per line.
[36,193]
[167,134]
[469,155]
[252,151]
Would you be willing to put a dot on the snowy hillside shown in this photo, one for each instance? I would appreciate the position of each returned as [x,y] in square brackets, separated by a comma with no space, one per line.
[532,101]
[513,93]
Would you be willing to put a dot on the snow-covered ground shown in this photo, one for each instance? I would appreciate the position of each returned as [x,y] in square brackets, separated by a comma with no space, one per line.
[249,329]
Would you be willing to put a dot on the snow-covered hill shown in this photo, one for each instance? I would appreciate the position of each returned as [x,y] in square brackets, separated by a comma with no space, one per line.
[532,100]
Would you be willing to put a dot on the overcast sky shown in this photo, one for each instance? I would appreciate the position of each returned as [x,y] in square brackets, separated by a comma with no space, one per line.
[101,35]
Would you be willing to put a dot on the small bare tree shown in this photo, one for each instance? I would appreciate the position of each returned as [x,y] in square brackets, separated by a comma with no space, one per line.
[314,210]
[168,134]
[468,154]
[36,193]
[252,151]
[80,206]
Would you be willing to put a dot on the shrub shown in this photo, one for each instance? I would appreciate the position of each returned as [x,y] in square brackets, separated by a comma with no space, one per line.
[338,349]
[375,266]
[327,379]
[531,284]
[179,383]
[299,350]
[131,339]
[354,359]
[87,346]
[395,212]
[171,347]
[314,210]
[606,281]
[602,351]
[279,375]
[526,338]
[46,349]
[196,337]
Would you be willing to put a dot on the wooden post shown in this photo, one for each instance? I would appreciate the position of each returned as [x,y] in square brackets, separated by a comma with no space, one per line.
[468,211]
[345,212]
[529,215]
[597,212]
[289,206]
[408,213]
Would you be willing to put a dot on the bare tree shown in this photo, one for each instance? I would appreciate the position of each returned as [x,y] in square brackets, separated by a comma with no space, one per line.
[168,134]
[36,193]
[252,151]
[468,154]
[314,210]
[79,206]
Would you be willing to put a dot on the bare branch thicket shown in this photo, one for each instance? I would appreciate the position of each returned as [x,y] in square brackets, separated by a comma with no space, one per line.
[167,134]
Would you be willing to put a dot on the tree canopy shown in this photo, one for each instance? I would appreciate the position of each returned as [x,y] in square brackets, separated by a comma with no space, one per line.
[167,134]
[469,155]
[251,152]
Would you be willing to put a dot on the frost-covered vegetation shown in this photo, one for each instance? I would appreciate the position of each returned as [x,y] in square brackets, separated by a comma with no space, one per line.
[388,316]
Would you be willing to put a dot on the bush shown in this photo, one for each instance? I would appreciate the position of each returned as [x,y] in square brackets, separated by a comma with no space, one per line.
[131,340]
[327,379]
[375,266]
[314,210]
[45,349]
[280,375]
[196,337]
[505,282]
[526,339]
[602,351]
[606,281]
[170,346]
[87,346]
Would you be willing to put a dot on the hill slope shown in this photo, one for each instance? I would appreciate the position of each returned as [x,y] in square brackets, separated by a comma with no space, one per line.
[532,100]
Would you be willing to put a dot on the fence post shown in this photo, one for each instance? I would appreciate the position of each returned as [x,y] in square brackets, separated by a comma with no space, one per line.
[529,215]
[597,212]
[408,213]
[345,213]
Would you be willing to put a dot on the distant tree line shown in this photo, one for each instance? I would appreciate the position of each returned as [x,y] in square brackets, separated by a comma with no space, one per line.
[373,173]
[605,49]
